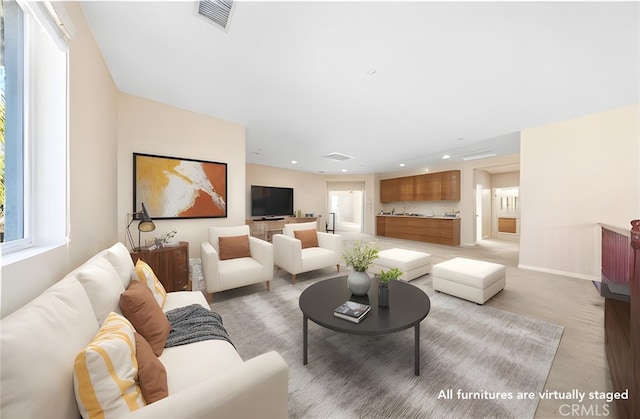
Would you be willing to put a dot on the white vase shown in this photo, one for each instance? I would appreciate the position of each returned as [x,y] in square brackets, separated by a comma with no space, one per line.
[359,283]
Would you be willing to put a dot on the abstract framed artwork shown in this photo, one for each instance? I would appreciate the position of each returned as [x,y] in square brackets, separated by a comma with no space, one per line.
[173,187]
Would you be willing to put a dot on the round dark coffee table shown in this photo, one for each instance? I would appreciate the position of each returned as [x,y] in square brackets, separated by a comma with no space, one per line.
[408,306]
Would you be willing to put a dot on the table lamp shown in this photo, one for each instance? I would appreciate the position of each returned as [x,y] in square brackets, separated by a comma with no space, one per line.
[145,224]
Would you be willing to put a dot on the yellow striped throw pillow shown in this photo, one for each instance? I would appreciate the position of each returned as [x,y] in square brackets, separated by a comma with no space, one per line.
[144,274]
[105,372]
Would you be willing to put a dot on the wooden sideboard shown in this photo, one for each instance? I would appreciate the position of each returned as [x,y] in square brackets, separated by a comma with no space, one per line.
[265,229]
[426,229]
[170,264]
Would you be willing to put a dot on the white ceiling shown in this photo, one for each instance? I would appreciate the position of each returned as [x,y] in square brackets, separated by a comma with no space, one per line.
[454,78]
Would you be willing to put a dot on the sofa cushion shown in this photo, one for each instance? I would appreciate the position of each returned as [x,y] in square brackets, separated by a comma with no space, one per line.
[152,375]
[105,371]
[103,286]
[140,307]
[184,298]
[238,272]
[317,258]
[60,318]
[118,255]
[194,363]
[234,247]
[289,228]
[143,273]
[309,238]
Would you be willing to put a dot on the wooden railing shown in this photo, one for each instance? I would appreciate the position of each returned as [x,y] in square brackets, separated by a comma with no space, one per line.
[615,255]
[621,289]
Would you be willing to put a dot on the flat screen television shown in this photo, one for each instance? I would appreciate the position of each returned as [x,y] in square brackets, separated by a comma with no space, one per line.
[271,201]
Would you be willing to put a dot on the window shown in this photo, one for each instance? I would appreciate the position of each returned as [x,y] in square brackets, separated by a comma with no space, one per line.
[33,127]
[13,152]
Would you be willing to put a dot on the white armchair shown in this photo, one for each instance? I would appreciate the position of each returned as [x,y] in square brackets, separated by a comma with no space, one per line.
[290,254]
[234,265]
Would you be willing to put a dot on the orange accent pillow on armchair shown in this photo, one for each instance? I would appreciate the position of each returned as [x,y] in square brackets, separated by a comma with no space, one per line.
[309,238]
[233,247]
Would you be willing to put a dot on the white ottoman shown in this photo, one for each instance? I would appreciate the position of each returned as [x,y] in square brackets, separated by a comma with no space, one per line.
[473,280]
[412,264]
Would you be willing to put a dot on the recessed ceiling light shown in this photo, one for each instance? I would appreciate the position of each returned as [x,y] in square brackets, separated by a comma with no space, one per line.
[460,139]
[344,170]
[426,170]
[294,161]
[446,156]
[401,164]
[371,71]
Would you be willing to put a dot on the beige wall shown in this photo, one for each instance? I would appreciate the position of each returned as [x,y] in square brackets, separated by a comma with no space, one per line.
[145,126]
[92,173]
[505,180]
[310,190]
[573,175]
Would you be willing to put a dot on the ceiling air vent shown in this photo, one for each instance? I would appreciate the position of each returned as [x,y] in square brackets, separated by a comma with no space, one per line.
[217,12]
[478,155]
[337,156]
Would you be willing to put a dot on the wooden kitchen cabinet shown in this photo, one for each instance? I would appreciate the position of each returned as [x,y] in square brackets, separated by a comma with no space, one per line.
[425,229]
[170,264]
[450,185]
[388,190]
[427,187]
[507,225]
[380,230]
[441,186]
[397,189]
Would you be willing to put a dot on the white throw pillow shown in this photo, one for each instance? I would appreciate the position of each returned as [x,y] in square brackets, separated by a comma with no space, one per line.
[103,285]
[35,377]
[118,255]
[105,372]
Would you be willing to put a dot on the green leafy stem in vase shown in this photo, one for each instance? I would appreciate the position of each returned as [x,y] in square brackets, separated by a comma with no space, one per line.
[386,276]
[360,255]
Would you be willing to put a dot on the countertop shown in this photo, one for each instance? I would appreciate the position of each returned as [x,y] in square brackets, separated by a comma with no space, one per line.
[419,216]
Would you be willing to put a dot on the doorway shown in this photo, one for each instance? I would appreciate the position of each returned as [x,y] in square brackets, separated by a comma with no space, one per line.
[346,210]
[506,207]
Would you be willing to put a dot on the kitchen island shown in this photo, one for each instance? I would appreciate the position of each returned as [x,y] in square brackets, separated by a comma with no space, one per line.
[440,230]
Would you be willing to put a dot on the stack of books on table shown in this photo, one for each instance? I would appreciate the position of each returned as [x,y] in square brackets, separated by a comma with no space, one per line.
[352,311]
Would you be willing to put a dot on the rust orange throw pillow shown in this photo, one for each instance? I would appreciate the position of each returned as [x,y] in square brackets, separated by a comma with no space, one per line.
[309,238]
[234,247]
[152,375]
[140,307]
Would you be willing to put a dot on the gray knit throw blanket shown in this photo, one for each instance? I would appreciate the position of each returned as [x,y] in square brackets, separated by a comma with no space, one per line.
[194,323]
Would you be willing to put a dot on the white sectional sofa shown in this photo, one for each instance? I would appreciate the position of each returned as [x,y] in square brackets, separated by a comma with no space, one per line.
[206,379]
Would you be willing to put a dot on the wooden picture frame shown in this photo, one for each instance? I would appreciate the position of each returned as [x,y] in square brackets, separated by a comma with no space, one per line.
[173,187]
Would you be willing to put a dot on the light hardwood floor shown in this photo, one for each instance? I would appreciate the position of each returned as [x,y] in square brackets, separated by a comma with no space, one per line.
[580,363]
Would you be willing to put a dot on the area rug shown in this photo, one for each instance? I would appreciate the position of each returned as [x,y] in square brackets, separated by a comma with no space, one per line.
[476,361]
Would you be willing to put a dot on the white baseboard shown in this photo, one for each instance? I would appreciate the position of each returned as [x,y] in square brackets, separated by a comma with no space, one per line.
[558,272]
